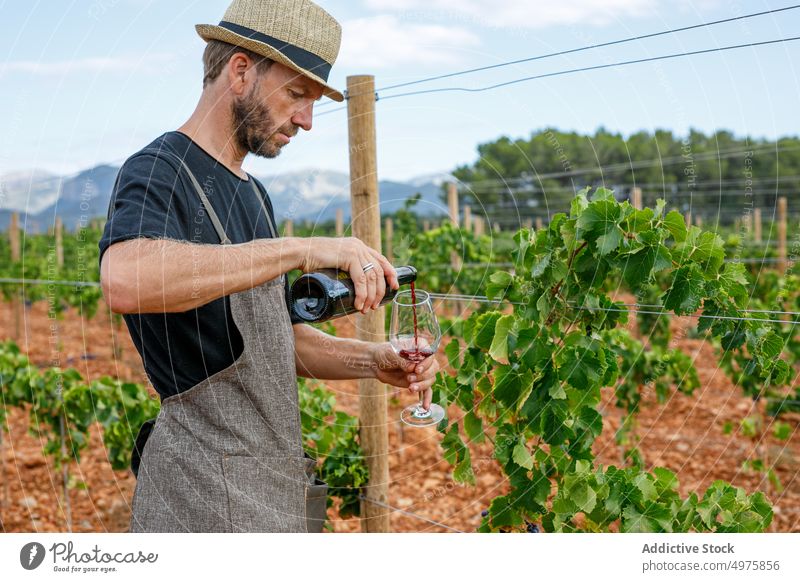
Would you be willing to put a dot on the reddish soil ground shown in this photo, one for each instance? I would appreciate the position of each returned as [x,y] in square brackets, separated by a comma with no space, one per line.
[685,435]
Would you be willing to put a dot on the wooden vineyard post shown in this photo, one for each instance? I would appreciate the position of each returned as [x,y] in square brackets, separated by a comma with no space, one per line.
[757,225]
[539,223]
[782,219]
[636,198]
[16,254]
[747,224]
[366,221]
[496,227]
[59,242]
[389,234]
[452,203]
[698,221]
[468,217]
[688,219]
[479,228]
[528,223]
[288,228]
[340,222]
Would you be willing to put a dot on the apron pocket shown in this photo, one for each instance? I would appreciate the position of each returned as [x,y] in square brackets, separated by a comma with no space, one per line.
[269,494]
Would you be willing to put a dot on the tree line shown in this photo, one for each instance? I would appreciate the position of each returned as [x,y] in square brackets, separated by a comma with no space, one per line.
[716,174]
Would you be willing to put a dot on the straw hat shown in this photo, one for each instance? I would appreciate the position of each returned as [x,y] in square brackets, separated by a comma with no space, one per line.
[296,33]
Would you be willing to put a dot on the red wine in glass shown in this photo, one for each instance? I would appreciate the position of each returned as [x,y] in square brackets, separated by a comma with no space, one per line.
[415,335]
[416,355]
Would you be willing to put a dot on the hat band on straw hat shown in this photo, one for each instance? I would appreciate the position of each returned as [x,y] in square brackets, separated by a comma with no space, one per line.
[301,57]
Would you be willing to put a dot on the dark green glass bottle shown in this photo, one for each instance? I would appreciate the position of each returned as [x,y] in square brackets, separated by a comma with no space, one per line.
[330,293]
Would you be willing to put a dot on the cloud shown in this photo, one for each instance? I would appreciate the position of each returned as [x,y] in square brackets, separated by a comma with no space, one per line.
[385,41]
[143,64]
[529,14]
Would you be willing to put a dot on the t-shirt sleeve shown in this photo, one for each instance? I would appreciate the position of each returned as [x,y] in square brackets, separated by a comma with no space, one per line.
[147,202]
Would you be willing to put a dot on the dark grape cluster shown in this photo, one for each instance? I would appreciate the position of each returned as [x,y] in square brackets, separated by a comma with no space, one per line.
[531,527]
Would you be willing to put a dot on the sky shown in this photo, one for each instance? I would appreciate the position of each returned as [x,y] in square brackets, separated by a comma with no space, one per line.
[85,82]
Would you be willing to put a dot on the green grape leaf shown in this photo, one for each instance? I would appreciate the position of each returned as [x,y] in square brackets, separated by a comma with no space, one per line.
[499,282]
[522,456]
[485,329]
[499,348]
[453,353]
[686,293]
[676,225]
[600,222]
[540,265]
[473,427]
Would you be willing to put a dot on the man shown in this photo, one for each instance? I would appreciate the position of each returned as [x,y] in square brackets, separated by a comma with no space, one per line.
[191,257]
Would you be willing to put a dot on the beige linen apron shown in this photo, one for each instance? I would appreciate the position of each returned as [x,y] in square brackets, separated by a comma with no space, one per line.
[226,455]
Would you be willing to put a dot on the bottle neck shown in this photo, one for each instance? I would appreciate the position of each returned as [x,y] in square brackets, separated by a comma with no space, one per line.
[406,275]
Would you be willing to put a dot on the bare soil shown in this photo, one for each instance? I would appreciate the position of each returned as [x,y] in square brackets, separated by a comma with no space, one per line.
[684,434]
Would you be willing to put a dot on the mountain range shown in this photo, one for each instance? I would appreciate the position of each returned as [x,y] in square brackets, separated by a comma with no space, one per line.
[307,195]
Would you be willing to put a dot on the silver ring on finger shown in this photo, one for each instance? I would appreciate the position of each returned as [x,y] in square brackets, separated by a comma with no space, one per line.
[368,267]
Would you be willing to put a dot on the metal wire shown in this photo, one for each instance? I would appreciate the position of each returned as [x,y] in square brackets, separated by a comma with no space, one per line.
[486,300]
[752,261]
[483,299]
[592,68]
[632,165]
[44,282]
[589,47]
[408,513]
[767,311]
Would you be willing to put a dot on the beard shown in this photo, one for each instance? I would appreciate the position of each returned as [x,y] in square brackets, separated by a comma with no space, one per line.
[254,129]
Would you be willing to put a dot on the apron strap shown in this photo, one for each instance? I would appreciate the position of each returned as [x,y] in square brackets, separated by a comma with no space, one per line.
[201,194]
[270,220]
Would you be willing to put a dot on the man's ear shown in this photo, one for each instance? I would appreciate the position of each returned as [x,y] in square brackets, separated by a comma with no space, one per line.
[237,69]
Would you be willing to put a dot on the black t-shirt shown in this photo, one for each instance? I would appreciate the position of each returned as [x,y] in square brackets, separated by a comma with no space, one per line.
[153,197]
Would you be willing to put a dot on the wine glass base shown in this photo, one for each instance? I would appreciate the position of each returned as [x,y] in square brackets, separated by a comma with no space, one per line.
[415,415]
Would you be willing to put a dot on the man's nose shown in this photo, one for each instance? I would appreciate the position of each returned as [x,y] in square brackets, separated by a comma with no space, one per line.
[303,116]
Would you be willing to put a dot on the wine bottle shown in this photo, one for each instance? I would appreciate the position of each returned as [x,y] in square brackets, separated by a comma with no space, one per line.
[330,293]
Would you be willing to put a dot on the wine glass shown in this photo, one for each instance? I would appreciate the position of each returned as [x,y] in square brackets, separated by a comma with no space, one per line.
[415,335]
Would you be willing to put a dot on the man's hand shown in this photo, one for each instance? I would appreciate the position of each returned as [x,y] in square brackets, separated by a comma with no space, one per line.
[351,255]
[396,371]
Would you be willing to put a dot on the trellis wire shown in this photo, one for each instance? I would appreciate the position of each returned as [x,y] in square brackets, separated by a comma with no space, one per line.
[45,282]
[593,68]
[408,513]
[630,165]
[479,298]
[576,70]
[486,300]
[589,47]
[578,49]
[483,299]
[754,261]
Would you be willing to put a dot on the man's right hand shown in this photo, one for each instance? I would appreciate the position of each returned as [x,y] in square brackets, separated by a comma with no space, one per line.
[351,255]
